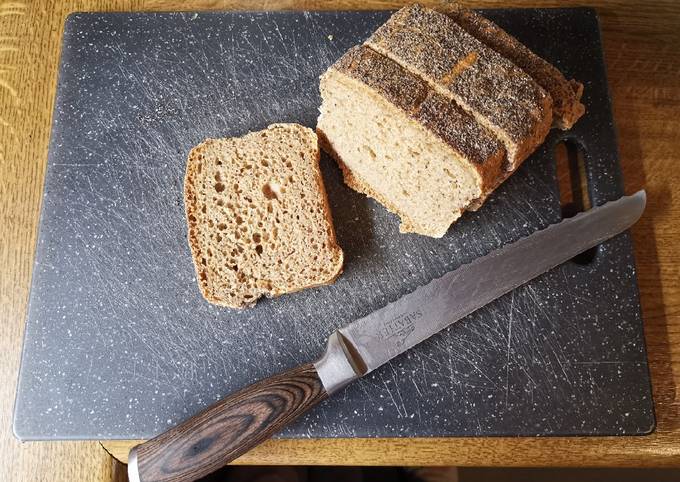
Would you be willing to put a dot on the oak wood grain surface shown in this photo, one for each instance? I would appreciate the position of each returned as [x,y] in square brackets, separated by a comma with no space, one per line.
[642,51]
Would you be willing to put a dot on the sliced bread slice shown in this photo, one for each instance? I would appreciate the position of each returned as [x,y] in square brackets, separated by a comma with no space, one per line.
[566,94]
[258,218]
[497,93]
[404,144]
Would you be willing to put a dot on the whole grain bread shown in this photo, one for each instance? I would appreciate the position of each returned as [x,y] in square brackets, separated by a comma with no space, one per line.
[434,112]
[497,93]
[258,218]
[566,94]
[402,143]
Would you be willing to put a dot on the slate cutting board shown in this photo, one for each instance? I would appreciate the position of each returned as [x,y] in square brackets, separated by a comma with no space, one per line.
[120,344]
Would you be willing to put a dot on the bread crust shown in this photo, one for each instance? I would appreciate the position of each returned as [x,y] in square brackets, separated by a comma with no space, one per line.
[191,202]
[566,94]
[190,209]
[485,84]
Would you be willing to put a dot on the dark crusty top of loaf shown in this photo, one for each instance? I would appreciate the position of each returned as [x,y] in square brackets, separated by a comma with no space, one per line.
[483,81]
[402,88]
[566,95]
[414,96]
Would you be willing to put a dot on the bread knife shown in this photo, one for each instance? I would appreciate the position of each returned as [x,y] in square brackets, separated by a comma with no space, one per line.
[224,431]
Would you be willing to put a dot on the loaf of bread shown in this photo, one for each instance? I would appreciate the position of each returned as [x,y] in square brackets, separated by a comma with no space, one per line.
[428,119]
[258,217]
[402,143]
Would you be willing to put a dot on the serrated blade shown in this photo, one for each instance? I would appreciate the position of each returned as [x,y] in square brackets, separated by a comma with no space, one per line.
[375,339]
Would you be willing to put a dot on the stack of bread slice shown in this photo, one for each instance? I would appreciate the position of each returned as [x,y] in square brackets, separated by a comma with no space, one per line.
[436,109]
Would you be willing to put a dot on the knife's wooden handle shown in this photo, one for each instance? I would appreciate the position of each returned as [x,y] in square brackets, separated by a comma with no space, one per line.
[227,429]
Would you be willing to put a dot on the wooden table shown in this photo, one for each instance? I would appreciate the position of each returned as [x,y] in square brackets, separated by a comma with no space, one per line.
[642,48]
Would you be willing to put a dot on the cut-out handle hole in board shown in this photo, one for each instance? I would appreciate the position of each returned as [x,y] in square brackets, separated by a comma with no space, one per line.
[573,187]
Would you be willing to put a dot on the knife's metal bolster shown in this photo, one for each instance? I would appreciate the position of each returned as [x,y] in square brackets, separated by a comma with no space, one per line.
[334,367]
[133,470]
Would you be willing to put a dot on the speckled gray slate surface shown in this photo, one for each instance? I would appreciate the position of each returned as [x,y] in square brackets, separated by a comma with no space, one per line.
[119,342]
